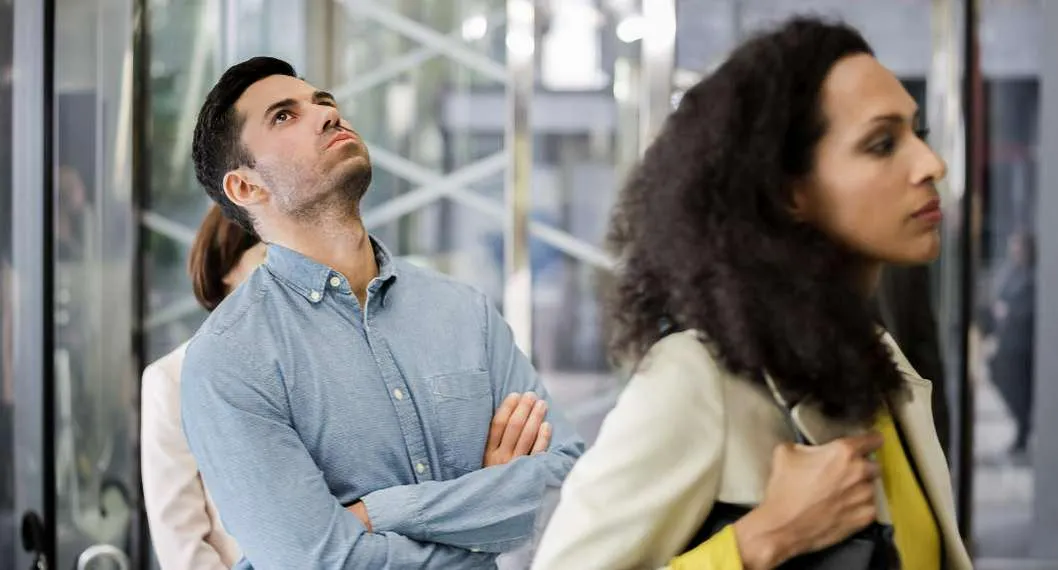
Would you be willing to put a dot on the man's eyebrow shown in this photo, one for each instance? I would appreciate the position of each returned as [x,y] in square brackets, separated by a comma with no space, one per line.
[282,104]
[323,96]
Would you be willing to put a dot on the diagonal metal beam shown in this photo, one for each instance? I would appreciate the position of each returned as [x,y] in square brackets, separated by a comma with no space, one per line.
[560,240]
[171,229]
[396,66]
[173,312]
[388,70]
[428,37]
[427,193]
[556,238]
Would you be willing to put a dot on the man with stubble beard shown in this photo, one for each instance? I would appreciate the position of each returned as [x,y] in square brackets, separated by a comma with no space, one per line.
[348,409]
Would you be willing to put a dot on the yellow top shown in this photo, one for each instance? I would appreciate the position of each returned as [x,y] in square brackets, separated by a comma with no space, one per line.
[917,537]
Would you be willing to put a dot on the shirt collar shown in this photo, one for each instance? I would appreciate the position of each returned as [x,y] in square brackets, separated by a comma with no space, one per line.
[311,279]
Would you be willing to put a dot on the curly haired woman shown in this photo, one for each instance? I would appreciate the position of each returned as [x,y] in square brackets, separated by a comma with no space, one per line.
[749,242]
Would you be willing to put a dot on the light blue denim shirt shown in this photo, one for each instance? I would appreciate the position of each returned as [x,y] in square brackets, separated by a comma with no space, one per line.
[296,402]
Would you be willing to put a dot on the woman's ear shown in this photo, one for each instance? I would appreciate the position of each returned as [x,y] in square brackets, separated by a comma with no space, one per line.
[800,206]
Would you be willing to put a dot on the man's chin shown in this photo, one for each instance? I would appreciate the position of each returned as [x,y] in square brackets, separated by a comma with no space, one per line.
[354,182]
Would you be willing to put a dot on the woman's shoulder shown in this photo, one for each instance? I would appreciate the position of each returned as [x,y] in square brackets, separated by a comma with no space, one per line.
[160,391]
[166,369]
[681,359]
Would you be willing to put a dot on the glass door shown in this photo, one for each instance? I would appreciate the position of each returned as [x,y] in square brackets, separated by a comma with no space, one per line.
[94,240]
[25,467]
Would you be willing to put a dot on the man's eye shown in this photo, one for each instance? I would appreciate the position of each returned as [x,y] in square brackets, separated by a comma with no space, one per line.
[280,117]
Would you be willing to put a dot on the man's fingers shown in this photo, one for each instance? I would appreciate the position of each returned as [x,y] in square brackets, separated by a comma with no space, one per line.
[543,439]
[499,421]
[517,421]
[531,429]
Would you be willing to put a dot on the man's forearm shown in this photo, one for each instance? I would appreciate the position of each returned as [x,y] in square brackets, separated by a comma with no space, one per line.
[490,510]
[392,550]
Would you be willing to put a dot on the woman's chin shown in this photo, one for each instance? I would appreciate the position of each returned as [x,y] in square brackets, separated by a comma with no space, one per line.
[923,250]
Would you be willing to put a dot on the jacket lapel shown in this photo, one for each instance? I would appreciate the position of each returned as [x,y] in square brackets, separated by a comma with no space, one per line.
[914,413]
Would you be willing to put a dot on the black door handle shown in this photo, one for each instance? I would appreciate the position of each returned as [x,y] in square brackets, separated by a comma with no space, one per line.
[33,539]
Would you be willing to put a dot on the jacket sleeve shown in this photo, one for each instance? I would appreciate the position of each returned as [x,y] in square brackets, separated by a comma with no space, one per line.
[641,491]
[172,489]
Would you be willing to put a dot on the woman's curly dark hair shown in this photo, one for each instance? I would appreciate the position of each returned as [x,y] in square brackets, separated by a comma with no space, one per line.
[704,235]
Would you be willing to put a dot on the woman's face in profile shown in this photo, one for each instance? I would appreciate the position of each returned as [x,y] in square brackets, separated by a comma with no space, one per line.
[872,186]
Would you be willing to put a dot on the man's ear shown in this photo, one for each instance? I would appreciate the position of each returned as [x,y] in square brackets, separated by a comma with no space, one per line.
[243,187]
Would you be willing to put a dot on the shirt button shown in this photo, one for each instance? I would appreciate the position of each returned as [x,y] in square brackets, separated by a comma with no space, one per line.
[420,468]
[335,281]
[315,296]
[398,394]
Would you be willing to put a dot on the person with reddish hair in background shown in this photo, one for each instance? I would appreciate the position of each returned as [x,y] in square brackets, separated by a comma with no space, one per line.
[186,531]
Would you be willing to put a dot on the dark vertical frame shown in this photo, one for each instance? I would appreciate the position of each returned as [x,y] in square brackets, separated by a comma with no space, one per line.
[140,547]
[973,115]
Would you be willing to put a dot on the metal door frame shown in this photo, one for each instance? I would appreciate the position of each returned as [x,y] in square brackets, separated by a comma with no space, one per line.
[32,204]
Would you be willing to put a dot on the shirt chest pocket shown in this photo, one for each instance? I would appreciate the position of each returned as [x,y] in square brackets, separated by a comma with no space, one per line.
[462,406]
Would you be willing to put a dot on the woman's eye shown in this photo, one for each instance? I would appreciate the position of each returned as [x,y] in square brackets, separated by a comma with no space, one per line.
[883,146]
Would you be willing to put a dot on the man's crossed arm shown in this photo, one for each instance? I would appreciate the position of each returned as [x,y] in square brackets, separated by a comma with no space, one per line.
[240,433]
[517,429]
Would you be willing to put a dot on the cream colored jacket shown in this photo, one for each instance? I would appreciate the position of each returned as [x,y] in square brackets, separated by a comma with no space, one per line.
[686,433]
[185,528]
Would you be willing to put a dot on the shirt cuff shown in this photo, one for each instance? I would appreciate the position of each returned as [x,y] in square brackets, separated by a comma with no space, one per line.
[720,552]
[396,509]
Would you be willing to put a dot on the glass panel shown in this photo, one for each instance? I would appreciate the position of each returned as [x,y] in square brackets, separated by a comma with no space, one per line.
[585,131]
[22,267]
[191,45]
[8,516]
[94,240]
[423,84]
[1004,501]
[185,61]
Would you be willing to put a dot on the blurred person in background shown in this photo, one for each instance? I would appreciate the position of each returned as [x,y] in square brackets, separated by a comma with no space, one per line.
[375,414]
[1013,314]
[186,530]
[749,242]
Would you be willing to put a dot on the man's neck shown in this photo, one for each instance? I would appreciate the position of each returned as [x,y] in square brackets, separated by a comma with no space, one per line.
[341,245]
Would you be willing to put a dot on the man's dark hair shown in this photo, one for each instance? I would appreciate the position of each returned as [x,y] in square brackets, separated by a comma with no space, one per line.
[216,148]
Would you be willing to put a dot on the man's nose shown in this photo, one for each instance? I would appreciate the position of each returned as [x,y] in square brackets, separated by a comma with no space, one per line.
[330,119]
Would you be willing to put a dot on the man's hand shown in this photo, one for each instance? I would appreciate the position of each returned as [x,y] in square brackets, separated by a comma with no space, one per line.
[360,511]
[517,429]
